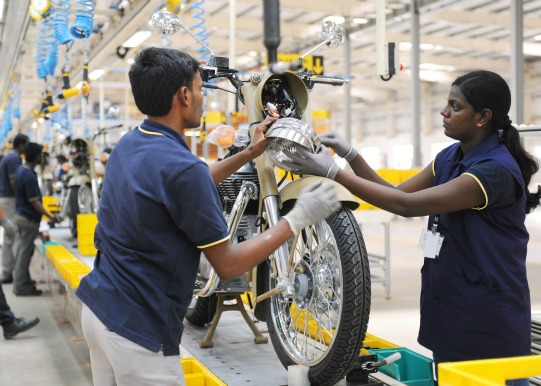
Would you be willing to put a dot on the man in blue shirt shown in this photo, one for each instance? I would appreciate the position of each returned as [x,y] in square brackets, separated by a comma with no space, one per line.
[29,210]
[8,166]
[158,210]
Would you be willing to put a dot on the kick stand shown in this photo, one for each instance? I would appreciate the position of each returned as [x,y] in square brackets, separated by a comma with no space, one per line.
[238,306]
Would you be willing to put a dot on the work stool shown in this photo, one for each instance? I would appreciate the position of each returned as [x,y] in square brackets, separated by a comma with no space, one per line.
[222,307]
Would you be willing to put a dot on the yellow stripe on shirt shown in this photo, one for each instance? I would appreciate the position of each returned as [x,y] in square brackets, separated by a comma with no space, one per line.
[214,243]
[149,132]
[482,188]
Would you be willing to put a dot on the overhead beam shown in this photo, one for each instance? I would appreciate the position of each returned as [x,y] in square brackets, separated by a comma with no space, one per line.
[479,18]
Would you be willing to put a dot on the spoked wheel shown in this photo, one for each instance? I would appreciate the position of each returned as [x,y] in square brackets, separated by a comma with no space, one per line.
[323,326]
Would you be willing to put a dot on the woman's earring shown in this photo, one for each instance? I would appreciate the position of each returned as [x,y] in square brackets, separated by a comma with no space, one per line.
[478,125]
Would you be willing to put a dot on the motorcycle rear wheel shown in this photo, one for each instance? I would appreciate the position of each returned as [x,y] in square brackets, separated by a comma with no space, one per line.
[325,324]
[202,310]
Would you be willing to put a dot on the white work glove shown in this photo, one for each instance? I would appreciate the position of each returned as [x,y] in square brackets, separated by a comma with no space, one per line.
[339,145]
[315,203]
[9,228]
[320,164]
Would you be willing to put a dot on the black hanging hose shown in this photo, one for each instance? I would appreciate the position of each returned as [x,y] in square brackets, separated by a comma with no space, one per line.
[271,28]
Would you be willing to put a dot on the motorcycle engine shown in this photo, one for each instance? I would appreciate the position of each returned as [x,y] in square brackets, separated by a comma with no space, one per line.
[229,189]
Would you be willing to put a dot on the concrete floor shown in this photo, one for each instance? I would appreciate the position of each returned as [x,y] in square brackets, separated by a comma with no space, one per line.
[53,353]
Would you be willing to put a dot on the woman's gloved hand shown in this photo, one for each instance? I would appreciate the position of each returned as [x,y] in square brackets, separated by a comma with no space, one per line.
[342,147]
[320,164]
[315,203]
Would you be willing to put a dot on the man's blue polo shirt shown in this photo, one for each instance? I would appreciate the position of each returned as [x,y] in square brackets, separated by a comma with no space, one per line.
[159,205]
[27,191]
[8,166]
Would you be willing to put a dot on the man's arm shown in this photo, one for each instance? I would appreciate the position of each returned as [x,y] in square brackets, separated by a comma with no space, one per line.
[224,168]
[38,206]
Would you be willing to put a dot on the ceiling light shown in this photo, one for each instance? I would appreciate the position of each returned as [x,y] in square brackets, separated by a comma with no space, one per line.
[404,46]
[426,46]
[137,38]
[359,20]
[336,19]
[96,74]
[1,10]
[537,37]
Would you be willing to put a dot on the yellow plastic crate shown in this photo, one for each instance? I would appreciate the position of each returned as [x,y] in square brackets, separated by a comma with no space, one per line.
[196,374]
[488,372]
[51,205]
[86,224]
[372,342]
[203,380]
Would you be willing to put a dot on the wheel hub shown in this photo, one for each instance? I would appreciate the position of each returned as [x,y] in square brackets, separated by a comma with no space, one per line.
[303,284]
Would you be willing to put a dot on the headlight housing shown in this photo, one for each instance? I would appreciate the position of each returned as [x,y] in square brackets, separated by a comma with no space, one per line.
[289,133]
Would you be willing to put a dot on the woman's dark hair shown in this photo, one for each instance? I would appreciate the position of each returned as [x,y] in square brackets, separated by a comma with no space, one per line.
[31,151]
[156,75]
[488,90]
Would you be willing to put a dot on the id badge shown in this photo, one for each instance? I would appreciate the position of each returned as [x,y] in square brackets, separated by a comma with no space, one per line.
[430,242]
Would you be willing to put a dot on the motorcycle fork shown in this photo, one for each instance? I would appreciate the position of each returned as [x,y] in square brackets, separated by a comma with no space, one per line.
[280,260]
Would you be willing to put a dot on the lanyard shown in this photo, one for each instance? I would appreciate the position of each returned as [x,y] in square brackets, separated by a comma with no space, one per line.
[435,223]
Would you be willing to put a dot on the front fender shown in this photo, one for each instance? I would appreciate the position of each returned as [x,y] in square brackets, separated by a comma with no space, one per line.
[291,191]
[79,180]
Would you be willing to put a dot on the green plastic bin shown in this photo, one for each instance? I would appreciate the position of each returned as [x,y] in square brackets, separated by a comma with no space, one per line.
[411,369]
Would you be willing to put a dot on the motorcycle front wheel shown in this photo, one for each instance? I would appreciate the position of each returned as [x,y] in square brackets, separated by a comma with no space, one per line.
[324,325]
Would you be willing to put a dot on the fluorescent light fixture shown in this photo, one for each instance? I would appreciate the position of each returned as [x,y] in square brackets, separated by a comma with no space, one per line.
[537,37]
[359,20]
[96,74]
[136,39]
[1,10]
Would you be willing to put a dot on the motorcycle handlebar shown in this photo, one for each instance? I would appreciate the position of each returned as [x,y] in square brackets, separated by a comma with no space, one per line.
[281,67]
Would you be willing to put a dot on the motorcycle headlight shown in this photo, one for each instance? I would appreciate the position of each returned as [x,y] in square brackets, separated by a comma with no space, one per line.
[289,133]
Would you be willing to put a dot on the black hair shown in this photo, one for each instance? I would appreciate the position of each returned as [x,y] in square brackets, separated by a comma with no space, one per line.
[488,90]
[20,139]
[31,151]
[156,75]
[61,158]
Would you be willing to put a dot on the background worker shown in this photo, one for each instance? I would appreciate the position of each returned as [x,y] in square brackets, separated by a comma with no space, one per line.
[11,325]
[29,211]
[475,300]
[159,210]
[8,166]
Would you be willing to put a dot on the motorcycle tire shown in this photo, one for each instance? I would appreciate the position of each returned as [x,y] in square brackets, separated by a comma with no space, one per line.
[85,199]
[324,325]
[73,202]
[202,310]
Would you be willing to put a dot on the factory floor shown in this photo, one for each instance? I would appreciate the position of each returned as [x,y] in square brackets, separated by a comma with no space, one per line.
[54,354]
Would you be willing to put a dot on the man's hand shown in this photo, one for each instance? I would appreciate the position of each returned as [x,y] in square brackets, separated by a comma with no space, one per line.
[342,147]
[9,228]
[320,164]
[259,142]
[316,202]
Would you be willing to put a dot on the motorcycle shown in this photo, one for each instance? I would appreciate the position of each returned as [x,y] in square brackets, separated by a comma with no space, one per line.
[80,190]
[314,291]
